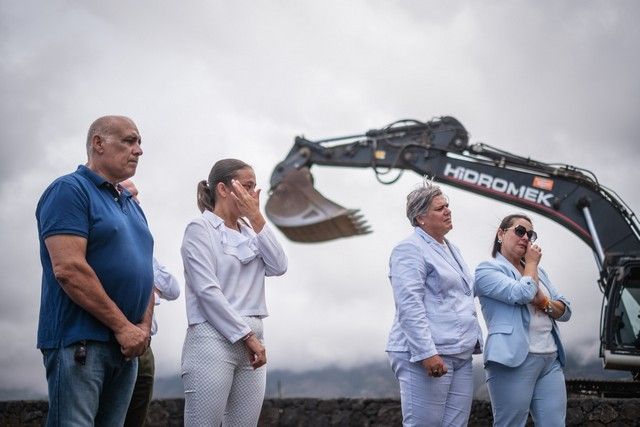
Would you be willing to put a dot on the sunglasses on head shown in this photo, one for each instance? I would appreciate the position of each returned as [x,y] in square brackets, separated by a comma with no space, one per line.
[521,231]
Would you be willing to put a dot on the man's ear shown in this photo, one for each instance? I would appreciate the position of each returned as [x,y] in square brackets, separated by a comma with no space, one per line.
[97,142]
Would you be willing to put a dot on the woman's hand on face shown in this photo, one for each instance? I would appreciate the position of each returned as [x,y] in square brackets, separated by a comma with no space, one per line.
[248,204]
[435,366]
[533,254]
[257,352]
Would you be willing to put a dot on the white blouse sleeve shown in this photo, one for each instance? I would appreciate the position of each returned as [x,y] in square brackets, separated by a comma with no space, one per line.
[273,255]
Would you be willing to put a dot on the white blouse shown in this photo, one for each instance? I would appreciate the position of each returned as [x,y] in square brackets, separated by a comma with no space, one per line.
[540,326]
[224,273]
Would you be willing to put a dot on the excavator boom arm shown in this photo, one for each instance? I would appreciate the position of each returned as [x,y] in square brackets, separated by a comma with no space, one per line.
[440,149]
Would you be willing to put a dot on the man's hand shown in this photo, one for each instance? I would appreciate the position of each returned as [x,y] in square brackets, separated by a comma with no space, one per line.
[133,340]
[131,346]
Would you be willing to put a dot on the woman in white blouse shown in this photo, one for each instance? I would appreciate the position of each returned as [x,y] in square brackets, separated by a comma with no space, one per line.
[227,252]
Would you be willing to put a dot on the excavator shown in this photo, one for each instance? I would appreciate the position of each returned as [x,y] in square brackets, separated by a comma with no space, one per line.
[440,148]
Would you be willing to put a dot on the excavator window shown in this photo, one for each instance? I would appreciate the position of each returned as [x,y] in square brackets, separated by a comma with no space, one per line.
[626,327]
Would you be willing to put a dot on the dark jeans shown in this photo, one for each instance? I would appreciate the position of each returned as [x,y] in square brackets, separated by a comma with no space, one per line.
[137,412]
[94,393]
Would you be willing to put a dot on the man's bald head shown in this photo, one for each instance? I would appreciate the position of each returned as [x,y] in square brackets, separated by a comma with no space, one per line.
[103,127]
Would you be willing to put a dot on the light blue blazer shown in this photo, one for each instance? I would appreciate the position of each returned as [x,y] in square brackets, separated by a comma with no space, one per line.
[433,293]
[503,295]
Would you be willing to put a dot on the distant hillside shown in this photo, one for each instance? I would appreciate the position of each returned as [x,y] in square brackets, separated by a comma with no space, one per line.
[7,394]
[591,369]
[373,380]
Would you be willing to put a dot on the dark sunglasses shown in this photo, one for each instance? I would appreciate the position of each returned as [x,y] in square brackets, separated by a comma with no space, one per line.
[521,231]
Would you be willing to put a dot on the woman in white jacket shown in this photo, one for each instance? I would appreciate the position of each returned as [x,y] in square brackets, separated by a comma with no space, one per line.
[227,252]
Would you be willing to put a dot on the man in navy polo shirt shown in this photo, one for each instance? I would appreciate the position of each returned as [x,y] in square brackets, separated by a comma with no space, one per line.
[97,276]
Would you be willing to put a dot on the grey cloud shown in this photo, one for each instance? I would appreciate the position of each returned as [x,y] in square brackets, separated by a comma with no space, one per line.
[556,81]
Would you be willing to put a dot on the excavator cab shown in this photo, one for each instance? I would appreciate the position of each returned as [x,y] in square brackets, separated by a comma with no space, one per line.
[305,215]
[620,327]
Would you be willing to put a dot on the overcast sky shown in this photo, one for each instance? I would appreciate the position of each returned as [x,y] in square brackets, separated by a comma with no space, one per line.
[205,80]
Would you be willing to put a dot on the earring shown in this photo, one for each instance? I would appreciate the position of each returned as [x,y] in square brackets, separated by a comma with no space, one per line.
[500,241]
[422,223]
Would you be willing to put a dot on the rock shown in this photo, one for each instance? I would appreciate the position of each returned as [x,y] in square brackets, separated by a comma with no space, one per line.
[345,412]
[603,413]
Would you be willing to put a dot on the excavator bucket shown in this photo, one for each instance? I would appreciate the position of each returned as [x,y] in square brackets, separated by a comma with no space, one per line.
[305,215]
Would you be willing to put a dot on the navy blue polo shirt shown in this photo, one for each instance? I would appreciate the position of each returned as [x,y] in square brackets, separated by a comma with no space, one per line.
[119,250]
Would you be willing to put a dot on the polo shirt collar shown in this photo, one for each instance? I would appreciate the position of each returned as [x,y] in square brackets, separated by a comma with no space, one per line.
[92,176]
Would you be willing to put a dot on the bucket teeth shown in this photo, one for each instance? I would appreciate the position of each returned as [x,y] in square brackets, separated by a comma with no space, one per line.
[305,215]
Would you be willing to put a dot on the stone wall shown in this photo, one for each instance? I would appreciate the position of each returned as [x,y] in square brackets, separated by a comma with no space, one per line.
[345,412]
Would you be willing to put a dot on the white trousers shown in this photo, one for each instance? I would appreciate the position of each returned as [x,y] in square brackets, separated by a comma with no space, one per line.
[429,401]
[220,386]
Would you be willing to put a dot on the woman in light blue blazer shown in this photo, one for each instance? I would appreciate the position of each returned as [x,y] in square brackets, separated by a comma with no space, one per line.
[435,330]
[523,354]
